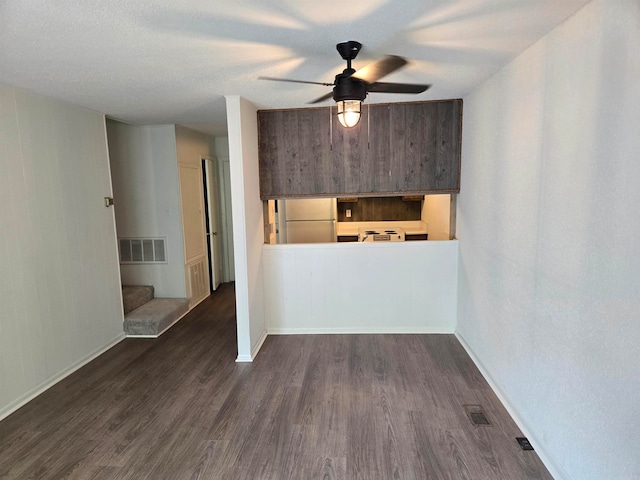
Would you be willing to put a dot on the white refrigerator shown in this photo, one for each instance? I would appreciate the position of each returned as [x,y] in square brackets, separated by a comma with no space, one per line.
[310,220]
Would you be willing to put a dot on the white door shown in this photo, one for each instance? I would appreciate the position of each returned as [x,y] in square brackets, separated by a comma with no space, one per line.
[193,224]
[213,222]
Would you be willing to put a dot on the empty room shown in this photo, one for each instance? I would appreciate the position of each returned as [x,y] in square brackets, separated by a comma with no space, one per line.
[287,240]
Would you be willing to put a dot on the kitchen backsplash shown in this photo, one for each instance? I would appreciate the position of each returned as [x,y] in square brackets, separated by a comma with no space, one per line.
[374,209]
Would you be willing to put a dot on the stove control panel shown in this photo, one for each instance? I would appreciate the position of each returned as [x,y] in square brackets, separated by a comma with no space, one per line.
[381,235]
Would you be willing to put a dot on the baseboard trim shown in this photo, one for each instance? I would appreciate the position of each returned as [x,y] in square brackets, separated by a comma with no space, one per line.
[34,392]
[254,350]
[258,345]
[361,331]
[549,460]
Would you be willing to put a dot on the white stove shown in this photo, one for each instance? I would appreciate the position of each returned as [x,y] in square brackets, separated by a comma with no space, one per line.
[380,235]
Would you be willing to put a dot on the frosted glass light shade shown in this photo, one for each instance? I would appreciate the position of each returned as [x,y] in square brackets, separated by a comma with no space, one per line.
[349,112]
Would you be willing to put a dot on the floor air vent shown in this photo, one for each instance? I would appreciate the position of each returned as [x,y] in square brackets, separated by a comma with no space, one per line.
[477,416]
[524,443]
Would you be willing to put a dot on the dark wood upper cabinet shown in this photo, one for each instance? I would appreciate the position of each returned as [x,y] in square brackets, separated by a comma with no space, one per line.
[397,148]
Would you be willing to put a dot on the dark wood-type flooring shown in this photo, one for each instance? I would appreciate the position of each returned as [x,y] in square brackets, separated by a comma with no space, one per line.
[309,407]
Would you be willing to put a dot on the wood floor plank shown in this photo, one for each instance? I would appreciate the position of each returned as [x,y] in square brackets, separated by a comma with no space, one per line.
[326,407]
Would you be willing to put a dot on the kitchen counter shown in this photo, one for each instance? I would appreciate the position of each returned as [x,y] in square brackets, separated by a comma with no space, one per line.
[415,227]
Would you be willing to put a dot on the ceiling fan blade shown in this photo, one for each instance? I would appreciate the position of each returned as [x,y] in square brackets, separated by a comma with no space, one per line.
[383,87]
[374,71]
[322,98]
[294,81]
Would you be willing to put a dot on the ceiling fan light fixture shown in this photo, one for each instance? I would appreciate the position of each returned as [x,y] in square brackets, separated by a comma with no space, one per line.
[349,112]
[351,87]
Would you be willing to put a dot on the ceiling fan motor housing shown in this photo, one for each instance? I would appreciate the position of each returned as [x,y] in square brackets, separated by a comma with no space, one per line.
[349,88]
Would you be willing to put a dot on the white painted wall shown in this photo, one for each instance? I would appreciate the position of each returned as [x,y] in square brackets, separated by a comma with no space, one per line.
[247,225]
[361,287]
[550,240]
[59,280]
[147,200]
[436,212]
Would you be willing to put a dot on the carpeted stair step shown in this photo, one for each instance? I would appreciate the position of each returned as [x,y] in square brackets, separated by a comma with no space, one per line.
[134,296]
[154,317]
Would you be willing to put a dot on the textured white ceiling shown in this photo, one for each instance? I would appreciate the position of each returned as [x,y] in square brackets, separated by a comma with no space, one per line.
[167,61]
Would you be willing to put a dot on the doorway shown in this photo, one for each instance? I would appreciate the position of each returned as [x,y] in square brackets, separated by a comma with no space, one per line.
[212,221]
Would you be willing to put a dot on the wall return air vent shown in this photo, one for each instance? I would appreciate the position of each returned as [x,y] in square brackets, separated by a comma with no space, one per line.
[142,250]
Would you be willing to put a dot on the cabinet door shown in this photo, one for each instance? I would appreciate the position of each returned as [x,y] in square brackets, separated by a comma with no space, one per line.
[350,169]
[413,146]
[294,152]
[314,159]
[425,146]
[447,171]
[379,152]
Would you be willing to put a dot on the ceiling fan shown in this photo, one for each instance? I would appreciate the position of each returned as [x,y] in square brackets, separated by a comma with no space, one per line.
[351,87]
